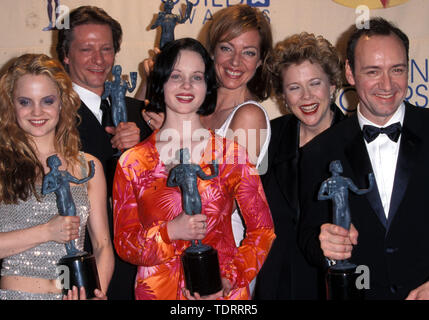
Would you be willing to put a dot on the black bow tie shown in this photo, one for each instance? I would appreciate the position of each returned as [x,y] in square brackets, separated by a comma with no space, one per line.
[393,131]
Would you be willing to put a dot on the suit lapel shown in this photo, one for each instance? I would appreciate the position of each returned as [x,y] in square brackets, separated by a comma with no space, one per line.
[285,164]
[94,138]
[88,118]
[408,152]
[358,158]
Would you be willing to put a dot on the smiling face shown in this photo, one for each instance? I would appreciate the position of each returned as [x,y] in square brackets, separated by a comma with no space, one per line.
[236,60]
[380,76]
[307,91]
[186,88]
[37,105]
[91,56]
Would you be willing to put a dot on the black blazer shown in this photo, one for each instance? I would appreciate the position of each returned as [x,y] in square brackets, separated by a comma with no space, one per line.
[96,141]
[396,249]
[285,274]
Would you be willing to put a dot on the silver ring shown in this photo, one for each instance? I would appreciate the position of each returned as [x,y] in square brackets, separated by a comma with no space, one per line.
[148,122]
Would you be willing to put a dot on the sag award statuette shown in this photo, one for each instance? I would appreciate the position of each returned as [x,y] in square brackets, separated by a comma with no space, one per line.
[117,89]
[341,277]
[168,21]
[81,265]
[200,262]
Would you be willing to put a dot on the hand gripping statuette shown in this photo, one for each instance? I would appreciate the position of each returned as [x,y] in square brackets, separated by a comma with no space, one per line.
[341,277]
[81,265]
[200,262]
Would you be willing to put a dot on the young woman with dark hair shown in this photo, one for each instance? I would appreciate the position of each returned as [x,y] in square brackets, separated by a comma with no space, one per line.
[151,228]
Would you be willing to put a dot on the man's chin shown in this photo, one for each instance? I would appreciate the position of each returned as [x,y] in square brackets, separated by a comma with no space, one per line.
[96,87]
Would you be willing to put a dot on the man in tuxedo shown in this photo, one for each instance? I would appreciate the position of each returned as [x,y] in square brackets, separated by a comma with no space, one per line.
[389,137]
[87,50]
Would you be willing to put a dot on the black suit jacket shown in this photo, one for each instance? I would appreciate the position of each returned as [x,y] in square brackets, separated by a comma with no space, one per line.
[285,274]
[396,249]
[96,141]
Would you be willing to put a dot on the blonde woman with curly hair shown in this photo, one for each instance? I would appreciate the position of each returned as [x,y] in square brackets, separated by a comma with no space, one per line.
[306,74]
[38,112]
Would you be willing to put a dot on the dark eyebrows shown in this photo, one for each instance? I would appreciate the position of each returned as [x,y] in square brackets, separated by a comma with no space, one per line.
[404,65]
[247,47]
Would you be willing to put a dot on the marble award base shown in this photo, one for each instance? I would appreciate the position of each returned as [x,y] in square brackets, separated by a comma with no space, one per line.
[83,272]
[201,268]
[341,282]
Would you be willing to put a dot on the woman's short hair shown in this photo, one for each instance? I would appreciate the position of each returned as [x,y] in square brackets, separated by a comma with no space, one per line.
[86,15]
[229,23]
[163,67]
[305,47]
[18,157]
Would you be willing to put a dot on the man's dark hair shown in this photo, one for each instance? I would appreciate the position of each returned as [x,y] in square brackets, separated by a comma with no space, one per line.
[163,67]
[377,27]
[87,15]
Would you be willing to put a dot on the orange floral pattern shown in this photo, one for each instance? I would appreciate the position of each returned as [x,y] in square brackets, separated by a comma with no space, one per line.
[143,204]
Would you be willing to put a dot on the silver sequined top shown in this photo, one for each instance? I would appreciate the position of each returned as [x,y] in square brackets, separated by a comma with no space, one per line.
[40,261]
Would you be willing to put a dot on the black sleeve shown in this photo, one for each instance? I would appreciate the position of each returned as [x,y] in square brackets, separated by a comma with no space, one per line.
[134,108]
[314,212]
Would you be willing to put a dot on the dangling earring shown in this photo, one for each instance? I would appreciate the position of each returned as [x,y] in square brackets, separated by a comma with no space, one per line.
[287,108]
[332,98]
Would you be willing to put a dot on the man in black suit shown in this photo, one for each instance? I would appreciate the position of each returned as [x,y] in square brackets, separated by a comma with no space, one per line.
[87,49]
[389,231]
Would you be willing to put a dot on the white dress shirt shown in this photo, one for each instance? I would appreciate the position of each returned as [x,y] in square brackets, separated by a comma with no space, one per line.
[91,100]
[383,154]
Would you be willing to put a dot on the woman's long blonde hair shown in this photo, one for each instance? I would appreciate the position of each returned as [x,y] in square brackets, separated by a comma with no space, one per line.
[19,165]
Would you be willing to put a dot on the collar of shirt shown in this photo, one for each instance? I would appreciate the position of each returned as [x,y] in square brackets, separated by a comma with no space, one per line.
[383,154]
[91,100]
[398,116]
